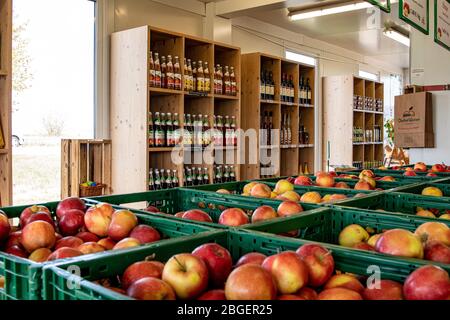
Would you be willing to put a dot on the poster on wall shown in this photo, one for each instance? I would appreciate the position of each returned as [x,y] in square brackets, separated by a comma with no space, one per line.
[442,23]
[415,13]
[384,5]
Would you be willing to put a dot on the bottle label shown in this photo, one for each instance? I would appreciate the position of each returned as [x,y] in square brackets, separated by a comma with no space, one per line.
[200,84]
[207,84]
[177,81]
[159,138]
[309,95]
[151,138]
[158,78]
[262,89]
[170,80]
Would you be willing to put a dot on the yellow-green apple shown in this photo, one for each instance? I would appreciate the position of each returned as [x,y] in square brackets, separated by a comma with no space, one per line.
[40,255]
[27,212]
[197,215]
[370,181]
[326,198]
[186,274]
[248,187]
[387,178]
[17,251]
[260,190]
[38,234]
[68,204]
[291,195]
[363,246]
[126,243]
[251,258]
[288,270]
[409,174]
[319,261]
[425,213]
[432,191]
[145,234]
[289,297]
[353,234]
[70,241]
[346,281]
[303,181]
[311,197]
[250,282]
[307,293]
[288,208]
[273,195]
[151,289]
[264,213]
[384,290]
[366,173]
[282,186]
[218,261]
[325,180]
[400,242]
[233,217]
[339,294]
[427,283]
[87,236]
[98,218]
[215,294]
[437,251]
[5,227]
[71,222]
[63,253]
[139,270]
[445,216]
[342,185]
[90,247]
[362,185]
[107,243]
[434,231]
[122,222]
[223,191]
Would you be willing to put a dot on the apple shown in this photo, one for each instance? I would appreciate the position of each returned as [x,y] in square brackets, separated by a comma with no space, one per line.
[40,255]
[126,243]
[179,214]
[337,197]
[98,218]
[151,289]
[41,215]
[339,294]
[387,290]
[434,231]
[90,247]
[107,243]
[187,274]
[122,222]
[283,186]
[363,246]
[233,217]
[420,166]
[366,173]
[325,180]
[17,251]
[346,281]
[250,282]
[38,234]
[409,174]
[352,234]
[399,242]
[289,271]
[218,260]
[387,178]
[215,294]
[319,261]
[63,253]
[27,212]
[70,241]
[68,204]
[260,190]
[197,215]
[427,283]
[362,185]
[87,236]
[431,174]
[71,222]
[290,195]
[303,181]
[5,227]
[14,239]
[251,258]
[445,216]
[307,293]
[145,234]
[432,191]
[288,208]
[425,213]
[289,297]
[438,168]
[273,195]
[139,270]
[437,251]
[152,209]
[342,185]
[311,197]
[263,213]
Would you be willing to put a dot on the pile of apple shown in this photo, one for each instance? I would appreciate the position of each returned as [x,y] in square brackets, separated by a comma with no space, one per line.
[430,241]
[306,274]
[77,230]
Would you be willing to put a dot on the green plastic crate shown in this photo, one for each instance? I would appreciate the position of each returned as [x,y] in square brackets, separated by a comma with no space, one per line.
[23,276]
[175,200]
[61,284]
[417,190]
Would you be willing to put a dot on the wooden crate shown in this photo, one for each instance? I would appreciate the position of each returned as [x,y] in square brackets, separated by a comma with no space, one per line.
[84,160]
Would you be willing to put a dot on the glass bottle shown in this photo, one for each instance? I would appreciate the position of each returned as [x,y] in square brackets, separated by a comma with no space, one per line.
[232,174]
[205,176]
[159,134]
[233,82]
[271,86]
[308,92]
[163,130]
[190,76]
[151,132]
[200,78]
[227,82]
[176,129]
[157,71]
[169,130]
[218,178]
[168,180]
[206,131]
[301,92]
[175,181]
[151,71]
[207,77]
[157,180]
[151,180]
[189,181]
[226,174]
[185,75]
[220,131]
[227,131]
[288,129]
[233,131]
[199,176]
[163,72]
[194,76]
[219,80]
[269,129]
[177,74]
[170,73]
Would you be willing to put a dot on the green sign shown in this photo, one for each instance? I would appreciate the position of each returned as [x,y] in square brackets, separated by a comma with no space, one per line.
[384,5]
[442,23]
[415,13]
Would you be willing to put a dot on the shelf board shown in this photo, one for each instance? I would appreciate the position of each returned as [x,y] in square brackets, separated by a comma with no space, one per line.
[160,149]
[359,143]
[225,147]
[358,110]
[3,72]
[306,106]
[270,101]
[269,147]
[289,104]
[288,146]
[4,151]
[164,92]
[197,95]
[225,97]
[302,146]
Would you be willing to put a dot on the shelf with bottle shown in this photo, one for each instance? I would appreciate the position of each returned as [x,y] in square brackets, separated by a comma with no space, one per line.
[164,131]
[270,79]
[224,132]
[305,93]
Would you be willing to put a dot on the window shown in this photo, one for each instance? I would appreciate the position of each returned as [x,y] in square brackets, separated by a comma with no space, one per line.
[300,58]
[368,75]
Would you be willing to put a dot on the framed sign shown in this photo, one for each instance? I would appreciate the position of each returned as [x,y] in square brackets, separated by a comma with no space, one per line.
[442,23]
[415,13]
[384,5]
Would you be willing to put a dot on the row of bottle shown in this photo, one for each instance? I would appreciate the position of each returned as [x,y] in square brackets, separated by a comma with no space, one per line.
[163,130]
[164,74]
[197,130]
[303,135]
[368,135]
[304,92]
[358,102]
[379,105]
[287,92]
[195,176]
[285,132]
[224,174]
[160,179]
[358,134]
[225,81]
[197,77]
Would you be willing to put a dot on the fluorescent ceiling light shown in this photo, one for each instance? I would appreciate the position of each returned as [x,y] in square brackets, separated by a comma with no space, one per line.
[330,10]
[397,36]
[368,75]
[310,61]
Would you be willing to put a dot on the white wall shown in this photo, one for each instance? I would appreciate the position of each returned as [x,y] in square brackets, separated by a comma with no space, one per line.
[435,60]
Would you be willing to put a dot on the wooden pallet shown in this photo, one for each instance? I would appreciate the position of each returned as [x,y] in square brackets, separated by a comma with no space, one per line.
[84,160]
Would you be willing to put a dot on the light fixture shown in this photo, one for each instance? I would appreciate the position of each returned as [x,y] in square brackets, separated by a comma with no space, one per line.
[318,11]
[397,36]
[300,58]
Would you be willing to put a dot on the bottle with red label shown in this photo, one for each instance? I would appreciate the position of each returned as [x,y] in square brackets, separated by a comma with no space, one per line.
[177,73]
[169,73]
[151,76]
[157,71]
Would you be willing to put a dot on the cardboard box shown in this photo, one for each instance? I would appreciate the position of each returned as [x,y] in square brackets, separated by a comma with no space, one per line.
[413,122]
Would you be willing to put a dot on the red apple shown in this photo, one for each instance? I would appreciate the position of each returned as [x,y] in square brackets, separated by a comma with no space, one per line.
[98,218]
[38,234]
[251,258]
[250,282]
[43,216]
[400,242]
[218,260]
[87,236]
[151,289]
[303,181]
[197,215]
[107,243]
[145,234]
[27,212]
[71,242]
[386,290]
[14,239]
[122,222]
[40,255]
[69,204]
[325,180]
[431,174]
[152,209]
[260,190]
[216,294]
[427,283]
[186,274]
[363,246]
[179,214]
[71,222]
[437,251]
[288,208]
[320,263]
[90,247]
[139,270]
[5,227]
[420,166]
[63,253]
[17,251]
[342,185]
[438,168]
[233,217]
[346,281]
[362,185]
[339,294]
[307,293]
[126,243]
[409,174]
[434,231]
[263,213]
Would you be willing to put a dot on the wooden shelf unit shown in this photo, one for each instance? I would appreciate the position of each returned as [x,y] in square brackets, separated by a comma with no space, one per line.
[132,99]
[340,116]
[287,159]
[6,102]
